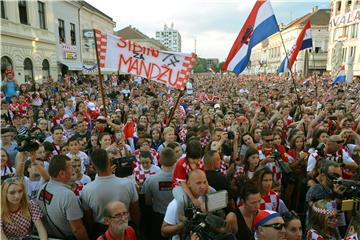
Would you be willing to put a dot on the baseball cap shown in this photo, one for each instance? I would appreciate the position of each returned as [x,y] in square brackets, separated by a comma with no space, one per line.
[263,217]
[217,106]
[66,116]
[91,106]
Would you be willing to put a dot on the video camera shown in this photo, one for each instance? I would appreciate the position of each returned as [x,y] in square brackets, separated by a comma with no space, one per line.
[207,225]
[352,188]
[289,176]
[123,166]
[27,143]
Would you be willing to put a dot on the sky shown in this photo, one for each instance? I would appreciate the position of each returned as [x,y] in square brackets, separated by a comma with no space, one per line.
[214,24]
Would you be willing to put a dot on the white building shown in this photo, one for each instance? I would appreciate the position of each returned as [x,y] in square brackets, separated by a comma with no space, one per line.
[170,38]
[28,42]
[267,55]
[67,34]
[91,18]
[344,28]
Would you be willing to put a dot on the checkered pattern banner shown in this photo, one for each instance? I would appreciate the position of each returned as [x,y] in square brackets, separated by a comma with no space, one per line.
[169,68]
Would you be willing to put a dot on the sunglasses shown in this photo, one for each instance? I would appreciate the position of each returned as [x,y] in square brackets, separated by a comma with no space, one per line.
[12,180]
[276,226]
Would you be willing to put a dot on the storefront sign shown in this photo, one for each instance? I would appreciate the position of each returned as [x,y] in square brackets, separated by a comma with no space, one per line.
[346,19]
[70,55]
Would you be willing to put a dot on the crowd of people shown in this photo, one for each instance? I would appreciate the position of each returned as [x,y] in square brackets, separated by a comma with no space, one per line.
[73,167]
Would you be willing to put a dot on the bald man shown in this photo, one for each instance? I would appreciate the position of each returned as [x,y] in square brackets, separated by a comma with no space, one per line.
[335,152]
[172,224]
[116,217]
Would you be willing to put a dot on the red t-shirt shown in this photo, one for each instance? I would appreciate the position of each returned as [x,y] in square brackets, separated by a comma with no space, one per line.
[129,234]
[182,170]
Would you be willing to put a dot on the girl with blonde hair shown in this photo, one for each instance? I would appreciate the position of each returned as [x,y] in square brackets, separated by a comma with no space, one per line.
[18,215]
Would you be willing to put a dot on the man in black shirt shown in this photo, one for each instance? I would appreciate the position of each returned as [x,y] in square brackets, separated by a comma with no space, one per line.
[212,162]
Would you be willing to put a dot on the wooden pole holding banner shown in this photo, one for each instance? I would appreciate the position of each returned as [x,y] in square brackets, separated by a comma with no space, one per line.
[99,75]
[175,107]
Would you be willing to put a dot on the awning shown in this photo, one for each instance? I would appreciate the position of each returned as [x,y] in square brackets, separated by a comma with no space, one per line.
[72,65]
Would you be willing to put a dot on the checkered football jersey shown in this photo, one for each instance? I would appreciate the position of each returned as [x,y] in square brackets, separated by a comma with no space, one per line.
[154,161]
[141,174]
[182,170]
[20,226]
[313,235]
[270,201]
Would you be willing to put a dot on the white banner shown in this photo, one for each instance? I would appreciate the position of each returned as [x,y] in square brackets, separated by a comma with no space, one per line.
[170,68]
[89,69]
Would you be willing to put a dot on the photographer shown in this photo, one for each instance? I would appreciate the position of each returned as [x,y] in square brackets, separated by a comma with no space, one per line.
[332,151]
[174,220]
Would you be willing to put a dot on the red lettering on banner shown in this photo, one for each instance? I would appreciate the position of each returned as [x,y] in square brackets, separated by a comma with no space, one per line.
[135,66]
[145,68]
[167,70]
[121,43]
[152,71]
[136,48]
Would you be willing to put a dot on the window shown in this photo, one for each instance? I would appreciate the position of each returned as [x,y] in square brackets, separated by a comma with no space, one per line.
[28,70]
[46,68]
[348,6]
[343,55]
[23,12]
[352,51]
[354,30]
[317,49]
[42,21]
[72,34]
[61,31]
[6,63]
[3,13]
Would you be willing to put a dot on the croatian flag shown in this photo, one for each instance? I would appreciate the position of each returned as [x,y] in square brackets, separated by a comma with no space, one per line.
[260,24]
[341,76]
[303,41]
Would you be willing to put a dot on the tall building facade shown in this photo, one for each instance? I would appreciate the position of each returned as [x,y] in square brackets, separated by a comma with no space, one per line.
[42,38]
[28,44]
[267,55]
[170,38]
[344,28]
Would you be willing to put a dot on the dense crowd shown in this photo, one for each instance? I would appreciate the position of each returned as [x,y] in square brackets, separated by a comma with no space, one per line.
[287,158]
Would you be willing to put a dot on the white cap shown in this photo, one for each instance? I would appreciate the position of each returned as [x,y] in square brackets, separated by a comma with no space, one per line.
[91,106]
[217,105]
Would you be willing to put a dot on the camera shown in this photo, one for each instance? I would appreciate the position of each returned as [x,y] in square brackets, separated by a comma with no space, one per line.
[123,166]
[289,176]
[352,188]
[231,135]
[26,143]
[205,225]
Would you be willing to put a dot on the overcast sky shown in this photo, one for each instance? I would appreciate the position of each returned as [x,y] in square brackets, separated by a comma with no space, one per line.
[213,23]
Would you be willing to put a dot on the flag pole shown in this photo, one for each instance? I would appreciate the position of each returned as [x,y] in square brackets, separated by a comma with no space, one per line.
[315,75]
[175,107]
[292,76]
[99,75]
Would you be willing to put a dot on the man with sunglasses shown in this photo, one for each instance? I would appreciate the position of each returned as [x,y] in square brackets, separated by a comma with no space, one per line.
[333,151]
[269,225]
[116,217]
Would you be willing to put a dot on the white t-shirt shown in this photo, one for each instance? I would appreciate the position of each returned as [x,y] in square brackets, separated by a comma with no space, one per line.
[32,187]
[189,88]
[312,160]
[84,180]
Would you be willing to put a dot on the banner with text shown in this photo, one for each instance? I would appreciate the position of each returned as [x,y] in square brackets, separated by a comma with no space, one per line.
[170,68]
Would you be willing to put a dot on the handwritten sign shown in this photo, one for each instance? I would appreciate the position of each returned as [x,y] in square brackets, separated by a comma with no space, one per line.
[170,68]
